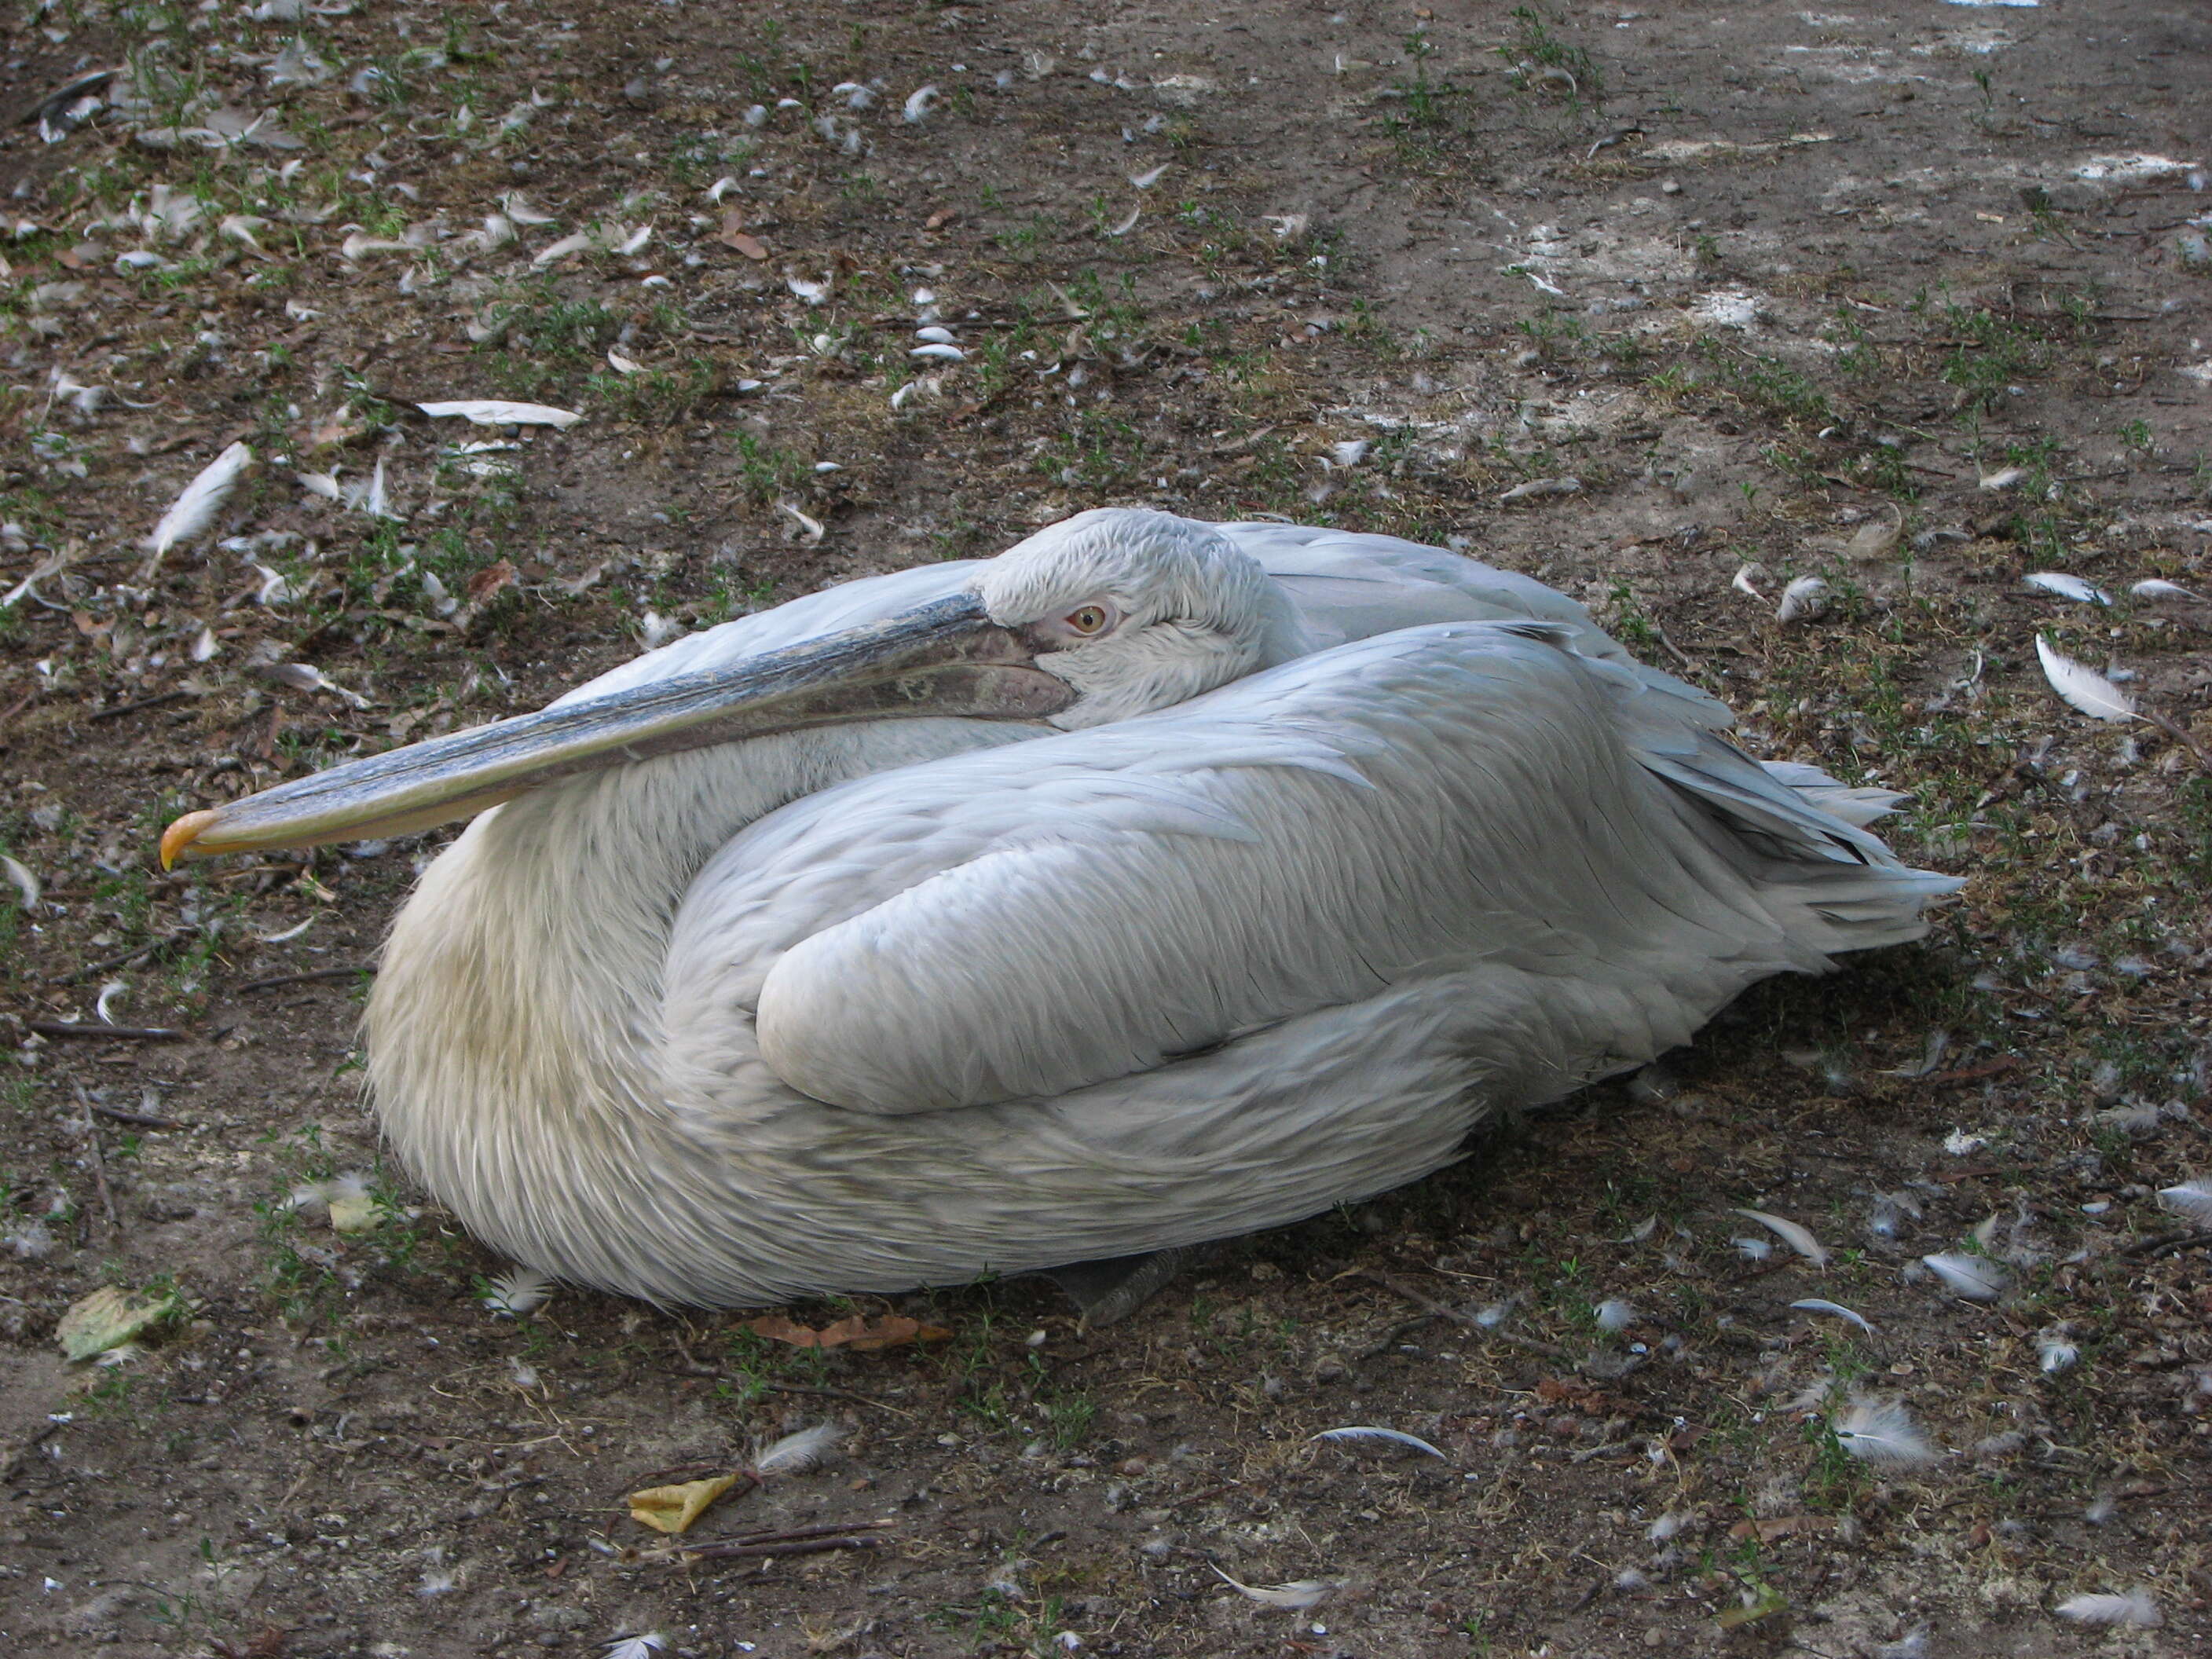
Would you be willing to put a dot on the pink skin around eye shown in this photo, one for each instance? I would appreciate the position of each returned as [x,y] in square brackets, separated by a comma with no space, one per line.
[1063,628]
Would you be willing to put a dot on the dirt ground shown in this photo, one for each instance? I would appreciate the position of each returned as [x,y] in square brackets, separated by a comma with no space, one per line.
[1911,297]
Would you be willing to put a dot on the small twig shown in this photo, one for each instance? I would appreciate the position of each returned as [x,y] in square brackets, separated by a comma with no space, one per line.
[123,708]
[16,707]
[1611,1448]
[1391,1337]
[98,1159]
[138,1120]
[275,979]
[1397,1286]
[1996,1067]
[803,1540]
[1205,1492]
[1680,655]
[106,1033]
[2166,1244]
[122,959]
[2196,751]
[831,1394]
[692,1366]
[1420,1299]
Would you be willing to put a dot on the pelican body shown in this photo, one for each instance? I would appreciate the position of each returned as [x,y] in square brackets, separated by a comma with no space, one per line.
[1153,883]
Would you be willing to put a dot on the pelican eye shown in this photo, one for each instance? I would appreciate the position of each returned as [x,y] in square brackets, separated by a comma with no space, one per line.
[1088,619]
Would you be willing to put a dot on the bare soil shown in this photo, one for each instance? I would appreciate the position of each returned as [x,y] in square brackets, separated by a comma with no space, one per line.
[1764,282]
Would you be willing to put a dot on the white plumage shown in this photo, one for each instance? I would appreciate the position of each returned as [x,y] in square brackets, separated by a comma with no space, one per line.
[1341,845]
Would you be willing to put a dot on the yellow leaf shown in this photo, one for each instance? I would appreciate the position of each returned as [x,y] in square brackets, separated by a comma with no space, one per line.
[673,1509]
[107,1319]
[353,1212]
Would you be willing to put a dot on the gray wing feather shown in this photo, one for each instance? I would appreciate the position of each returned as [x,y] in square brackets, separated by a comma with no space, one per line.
[1018,923]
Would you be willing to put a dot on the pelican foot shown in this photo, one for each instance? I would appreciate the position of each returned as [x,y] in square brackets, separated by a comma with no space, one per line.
[1106,1292]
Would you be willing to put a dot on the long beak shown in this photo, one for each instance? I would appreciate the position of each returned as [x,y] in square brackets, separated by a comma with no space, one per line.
[944,657]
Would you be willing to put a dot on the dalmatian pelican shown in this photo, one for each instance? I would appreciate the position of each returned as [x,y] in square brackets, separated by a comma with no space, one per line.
[1150,884]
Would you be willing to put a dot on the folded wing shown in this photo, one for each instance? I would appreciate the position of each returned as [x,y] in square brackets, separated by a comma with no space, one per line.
[1019,923]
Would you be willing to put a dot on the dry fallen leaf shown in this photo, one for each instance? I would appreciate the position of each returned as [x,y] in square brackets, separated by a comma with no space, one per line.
[490,580]
[1783,1525]
[861,1335]
[673,1509]
[734,234]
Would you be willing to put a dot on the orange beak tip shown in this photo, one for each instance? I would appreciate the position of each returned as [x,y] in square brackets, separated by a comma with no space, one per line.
[182,834]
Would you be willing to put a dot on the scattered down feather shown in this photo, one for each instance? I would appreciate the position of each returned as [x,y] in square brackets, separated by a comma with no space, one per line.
[635,1647]
[2083,688]
[1295,1597]
[512,1294]
[2135,1607]
[2066,586]
[1797,1237]
[1394,1435]
[25,883]
[795,1454]
[1883,1434]
[193,513]
[2055,1353]
[1968,1276]
[2157,588]
[2191,1200]
[1613,1315]
[497,411]
[1816,1305]
[1803,600]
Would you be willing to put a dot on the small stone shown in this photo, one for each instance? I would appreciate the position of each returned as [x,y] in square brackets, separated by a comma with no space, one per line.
[1671,187]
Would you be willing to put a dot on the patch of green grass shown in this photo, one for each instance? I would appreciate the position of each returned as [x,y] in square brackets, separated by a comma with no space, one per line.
[766,472]
[1536,44]
[1100,451]
[656,397]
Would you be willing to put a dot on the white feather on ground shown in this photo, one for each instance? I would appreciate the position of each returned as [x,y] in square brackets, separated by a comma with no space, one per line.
[25,883]
[514,1294]
[193,513]
[2157,588]
[1883,1434]
[495,411]
[1295,1597]
[1968,1276]
[1614,1315]
[1797,1237]
[2083,688]
[2191,1200]
[796,1453]
[2066,586]
[635,1647]
[1394,1435]
[1816,1305]
[2135,1607]
[1803,599]
[2055,1353]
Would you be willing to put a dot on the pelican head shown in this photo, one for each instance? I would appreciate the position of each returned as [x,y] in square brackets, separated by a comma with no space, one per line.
[1106,615]
[1136,609]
